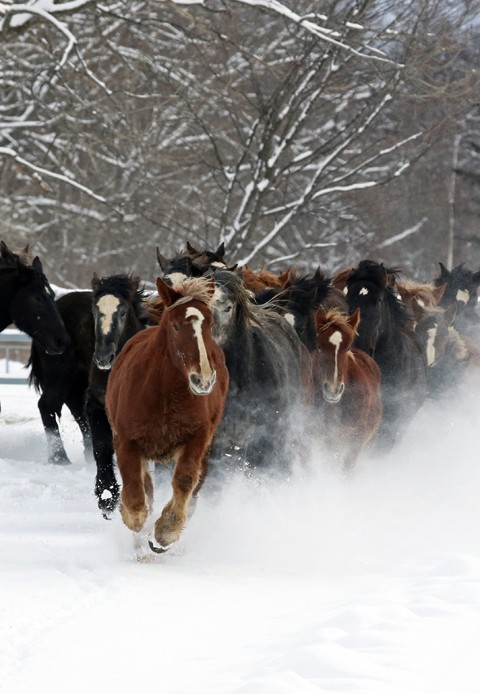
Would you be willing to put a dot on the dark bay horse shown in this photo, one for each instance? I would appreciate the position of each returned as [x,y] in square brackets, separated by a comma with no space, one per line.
[190,263]
[98,323]
[451,356]
[347,387]
[461,289]
[386,333]
[165,399]
[63,379]
[27,300]
[270,378]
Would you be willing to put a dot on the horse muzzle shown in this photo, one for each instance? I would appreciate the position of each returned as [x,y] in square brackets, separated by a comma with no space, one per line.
[199,386]
[333,395]
[104,363]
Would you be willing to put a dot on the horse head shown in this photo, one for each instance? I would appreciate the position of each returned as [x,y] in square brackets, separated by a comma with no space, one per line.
[187,322]
[31,301]
[115,302]
[335,335]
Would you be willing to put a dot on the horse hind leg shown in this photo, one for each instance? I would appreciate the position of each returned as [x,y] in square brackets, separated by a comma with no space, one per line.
[49,408]
[188,476]
[76,405]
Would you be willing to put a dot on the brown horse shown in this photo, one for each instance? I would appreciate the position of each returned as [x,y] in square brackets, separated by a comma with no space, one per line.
[165,398]
[348,380]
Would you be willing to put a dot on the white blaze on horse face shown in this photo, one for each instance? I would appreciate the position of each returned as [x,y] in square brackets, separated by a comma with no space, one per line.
[107,305]
[463,296]
[432,333]
[205,368]
[363,291]
[336,340]
[176,278]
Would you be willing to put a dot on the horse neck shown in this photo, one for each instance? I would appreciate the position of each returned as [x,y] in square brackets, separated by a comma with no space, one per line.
[7,292]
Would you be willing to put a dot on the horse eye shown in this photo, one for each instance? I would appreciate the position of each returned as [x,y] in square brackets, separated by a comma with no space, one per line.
[228,308]
[176,327]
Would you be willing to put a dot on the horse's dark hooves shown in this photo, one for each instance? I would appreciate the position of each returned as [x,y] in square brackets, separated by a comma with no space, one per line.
[158,549]
[107,506]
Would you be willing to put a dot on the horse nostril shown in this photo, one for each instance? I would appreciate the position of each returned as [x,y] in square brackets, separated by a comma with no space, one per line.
[195,379]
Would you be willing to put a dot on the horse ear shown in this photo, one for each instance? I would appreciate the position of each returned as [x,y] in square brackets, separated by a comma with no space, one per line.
[354,319]
[444,273]
[95,283]
[162,260]
[4,252]
[220,250]
[168,295]
[438,292]
[37,264]
[476,278]
[190,248]
[232,268]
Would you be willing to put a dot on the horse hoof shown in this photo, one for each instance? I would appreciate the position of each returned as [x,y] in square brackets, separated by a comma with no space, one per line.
[158,549]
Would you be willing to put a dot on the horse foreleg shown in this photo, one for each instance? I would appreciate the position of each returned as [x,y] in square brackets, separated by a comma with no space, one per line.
[76,405]
[49,407]
[189,473]
[137,485]
[106,487]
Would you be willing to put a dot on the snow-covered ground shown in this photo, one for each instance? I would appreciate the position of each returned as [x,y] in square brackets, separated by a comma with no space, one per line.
[316,584]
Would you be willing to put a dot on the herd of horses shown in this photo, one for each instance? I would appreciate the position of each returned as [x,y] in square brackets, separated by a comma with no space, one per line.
[234,367]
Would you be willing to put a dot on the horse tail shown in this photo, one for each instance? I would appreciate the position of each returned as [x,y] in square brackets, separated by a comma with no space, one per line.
[36,375]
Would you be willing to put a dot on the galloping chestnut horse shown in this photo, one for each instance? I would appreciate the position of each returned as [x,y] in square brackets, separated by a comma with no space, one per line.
[348,382]
[165,398]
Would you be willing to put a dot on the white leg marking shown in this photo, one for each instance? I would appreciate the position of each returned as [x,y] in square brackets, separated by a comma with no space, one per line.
[107,305]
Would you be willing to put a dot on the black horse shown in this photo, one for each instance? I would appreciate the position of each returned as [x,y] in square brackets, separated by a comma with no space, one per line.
[118,304]
[63,379]
[99,322]
[190,263]
[28,301]
[270,378]
[386,333]
[462,290]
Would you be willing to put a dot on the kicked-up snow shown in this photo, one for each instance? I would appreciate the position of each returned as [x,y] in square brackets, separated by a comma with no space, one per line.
[316,584]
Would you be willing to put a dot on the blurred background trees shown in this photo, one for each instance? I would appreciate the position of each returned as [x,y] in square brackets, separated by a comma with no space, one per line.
[298,132]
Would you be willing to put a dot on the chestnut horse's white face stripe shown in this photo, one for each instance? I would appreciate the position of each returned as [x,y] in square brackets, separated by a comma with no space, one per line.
[336,340]
[198,318]
[107,305]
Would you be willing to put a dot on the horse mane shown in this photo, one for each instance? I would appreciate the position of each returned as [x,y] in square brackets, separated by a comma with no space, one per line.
[245,307]
[427,293]
[195,289]
[339,320]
